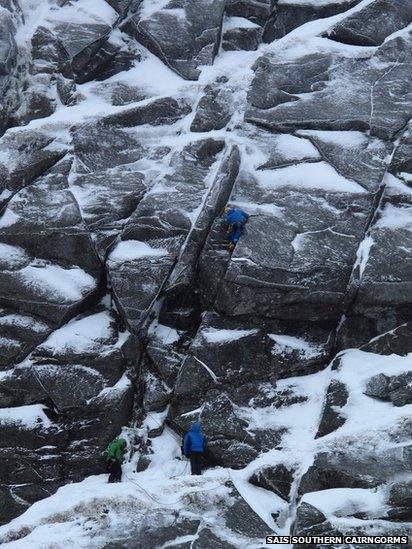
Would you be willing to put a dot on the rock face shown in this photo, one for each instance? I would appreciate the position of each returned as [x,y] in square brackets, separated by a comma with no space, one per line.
[126,127]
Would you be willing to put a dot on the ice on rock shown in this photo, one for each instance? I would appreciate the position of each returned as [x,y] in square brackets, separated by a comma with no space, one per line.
[126,127]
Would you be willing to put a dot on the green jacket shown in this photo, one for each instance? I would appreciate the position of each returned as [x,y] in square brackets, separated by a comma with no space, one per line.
[116,450]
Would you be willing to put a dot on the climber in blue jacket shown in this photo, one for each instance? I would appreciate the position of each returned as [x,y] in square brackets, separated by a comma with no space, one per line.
[236,219]
[194,447]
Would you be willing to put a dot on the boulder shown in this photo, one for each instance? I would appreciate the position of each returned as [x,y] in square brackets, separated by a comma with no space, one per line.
[213,110]
[184,34]
[277,479]
[246,39]
[327,80]
[336,397]
[28,154]
[287,15]
[257,11]
[371,25]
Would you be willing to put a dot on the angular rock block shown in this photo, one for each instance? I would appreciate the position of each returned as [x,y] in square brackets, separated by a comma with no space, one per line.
[327,80]
[182,34]
[287,15]
[371,25]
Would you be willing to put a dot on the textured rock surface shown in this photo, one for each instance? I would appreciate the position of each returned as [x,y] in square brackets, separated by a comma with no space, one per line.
[126,127]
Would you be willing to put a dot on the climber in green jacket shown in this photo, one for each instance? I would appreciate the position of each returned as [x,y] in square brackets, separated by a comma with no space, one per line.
[114,459]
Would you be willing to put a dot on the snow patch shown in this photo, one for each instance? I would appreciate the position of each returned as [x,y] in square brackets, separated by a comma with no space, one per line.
[131,250]
[213,335]
[309,175]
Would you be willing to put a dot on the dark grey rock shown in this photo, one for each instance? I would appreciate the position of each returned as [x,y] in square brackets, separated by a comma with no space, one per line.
[336,397]
[351,469]
[378,386]
[287,16]
[8,48]
[361,158]
[327,79]
[246,39]
[256,11]
[277,479]
[183,43]
[307,516]
[34,152]
[401,160]
[400,389]
[241,519]
[397,341]
[372,24]
[213,110]
[208,540]
[400,494]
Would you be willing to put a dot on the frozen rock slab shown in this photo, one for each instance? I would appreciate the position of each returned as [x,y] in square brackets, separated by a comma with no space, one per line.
[353,154]
[107,197]
[153,237]
[40,456]
[74,34]
[402,158]
[183,34]
[228,375]
[381,278]
[256,11]
[397,341]
[19,334]
[138,271]
[41,287]
[337,91]
[296,253]
[25,155]
[45,219]
[218,195]
[174,202]
[371,25]
[290,14]
[118,144]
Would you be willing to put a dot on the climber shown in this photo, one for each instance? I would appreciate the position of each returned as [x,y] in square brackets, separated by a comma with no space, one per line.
[114,459]
[193,448]
[236,219]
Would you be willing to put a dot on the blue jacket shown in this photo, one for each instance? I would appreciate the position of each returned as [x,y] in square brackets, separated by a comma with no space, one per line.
[235,215]
[194,440]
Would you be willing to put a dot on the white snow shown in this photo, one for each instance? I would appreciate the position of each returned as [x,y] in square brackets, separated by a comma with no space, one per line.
[214,335]
[362,255]
[148,7]
[12,257]
[164,333]
[23,322]
[56,283]
[394,217]
[27,416]
[131,250]
[230,23]
[8,218]
[85,12]
[309,175]
[81,335]
[287,344]
[347,501]
[295,148]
